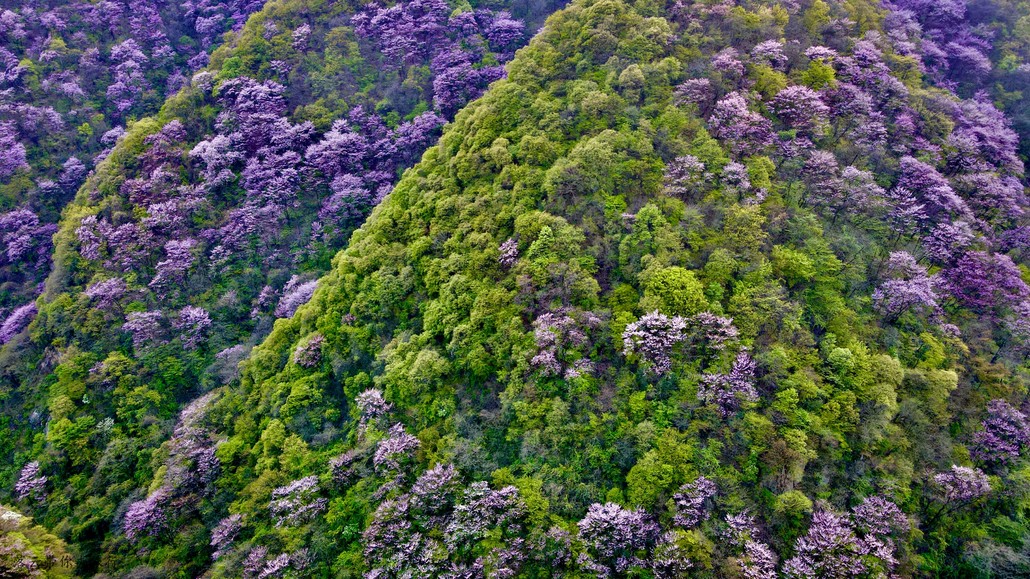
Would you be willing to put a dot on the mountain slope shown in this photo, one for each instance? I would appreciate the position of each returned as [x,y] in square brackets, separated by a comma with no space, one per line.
[74,74]
[211,219]
[724,314]
[699,289]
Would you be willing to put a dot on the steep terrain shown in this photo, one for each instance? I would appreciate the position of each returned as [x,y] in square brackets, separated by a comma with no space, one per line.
[72,75]
[700,289]
[213,217]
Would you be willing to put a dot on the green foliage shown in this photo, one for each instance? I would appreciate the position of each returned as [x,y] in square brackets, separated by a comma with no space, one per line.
[565,161]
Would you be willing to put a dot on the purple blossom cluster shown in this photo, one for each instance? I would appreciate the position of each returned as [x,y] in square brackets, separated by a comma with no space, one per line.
[145,327]
[71,73]
[480,509]
[16,321]
[802,109]
[295,294]
[691,508]
[881,523]
[31,484]
[309,354]
[105,294]
[26,241]
[745,131]
[371,405]
[189,472]
[757,562]
[509,251]
[1006,432]
[359,158]
[617,539]
[962,484]
[830,549]
[685,176]
[434,527]
[984,281]
[146,517]
[193,323]
[454,44]
[224,534]
[258,565]
[838,546]
[559,338]
[730,391]
[297,503]
[653,338]
[395,450]
[910,288]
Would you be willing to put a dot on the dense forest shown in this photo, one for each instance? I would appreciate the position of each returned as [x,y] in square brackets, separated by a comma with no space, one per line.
[615,288]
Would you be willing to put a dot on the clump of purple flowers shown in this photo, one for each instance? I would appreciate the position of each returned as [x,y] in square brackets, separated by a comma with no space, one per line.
[691,502]
[509,253]
[16,321]
[653,337]
[146,517]
[295,294]
[729,391]
[371,405]
[616,537]
[224,533]
[297,503]
[309,354]
[962,484]
[1005,434]
[395,449]
[830,549]
[31,483]
[193,323]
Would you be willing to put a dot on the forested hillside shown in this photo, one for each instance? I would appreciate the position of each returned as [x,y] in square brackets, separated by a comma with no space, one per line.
[210,219]
[72,75]
[694,289]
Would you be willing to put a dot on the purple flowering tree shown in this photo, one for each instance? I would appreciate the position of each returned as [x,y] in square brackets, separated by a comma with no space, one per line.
[962,484]
[145,327]
[910,288]
[224,534]
[653,337]
[193,323]
[829,550]
[802,109]
[746,131]
[295,294]
[31,484]
[729,392]
[559,338]
[617,539]
[509,251]
[395,451]
[685,176]
[309,353]
[1006,432]
[882,525]
[17,321]
[371,405]
[691,502]
[297,503]
[984,282]
[146,517]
